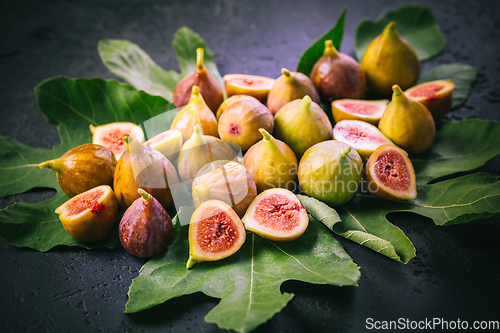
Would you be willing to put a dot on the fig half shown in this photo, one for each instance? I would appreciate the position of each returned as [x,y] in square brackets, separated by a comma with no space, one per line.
[168,143]
[437,96]
[111,135]
[251,85]
[357,109]
[390,174]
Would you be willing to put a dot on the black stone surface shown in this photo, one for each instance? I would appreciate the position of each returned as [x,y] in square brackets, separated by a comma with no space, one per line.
[455,274]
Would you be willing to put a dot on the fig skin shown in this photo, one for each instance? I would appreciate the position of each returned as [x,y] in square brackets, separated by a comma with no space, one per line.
[83,168]
[146,168]
[373,117]
[230,101]
[241,121]
[437,96]
[408,123]
[251,85]
[209,87]
[301,124]
[145,229]
[288,87]
[389,60]
[337,75]
[272,163]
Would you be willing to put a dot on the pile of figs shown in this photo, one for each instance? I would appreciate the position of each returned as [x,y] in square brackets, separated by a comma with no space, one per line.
[290,141]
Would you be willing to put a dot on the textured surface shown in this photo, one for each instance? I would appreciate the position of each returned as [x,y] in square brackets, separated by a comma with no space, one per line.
[454,275]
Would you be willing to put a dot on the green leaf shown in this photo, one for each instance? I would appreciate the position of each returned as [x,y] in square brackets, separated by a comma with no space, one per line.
[463,76]
[248,282]
[415,23]
[320,210]
[315,51]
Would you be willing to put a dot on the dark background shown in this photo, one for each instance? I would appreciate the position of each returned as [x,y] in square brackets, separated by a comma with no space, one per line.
[455,274]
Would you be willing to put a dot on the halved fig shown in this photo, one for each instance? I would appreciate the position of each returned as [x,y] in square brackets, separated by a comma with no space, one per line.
[252,85]
[111,135]
[276,214]
[357,109]
[390,174]
[89,216]
[215,232]
[360,135]
[168,143]
[437,96]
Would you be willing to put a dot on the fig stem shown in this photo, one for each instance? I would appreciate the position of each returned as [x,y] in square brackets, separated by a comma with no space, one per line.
[344,151]
[191,262]
[305,104]
[330,50]
[46,164]
[390,30]
[287,75]
[199,59]
[145,195]
[195,91]
[128,140]
[397,90]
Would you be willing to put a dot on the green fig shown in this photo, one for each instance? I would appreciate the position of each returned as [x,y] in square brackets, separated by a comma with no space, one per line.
[408,123]
[389,60]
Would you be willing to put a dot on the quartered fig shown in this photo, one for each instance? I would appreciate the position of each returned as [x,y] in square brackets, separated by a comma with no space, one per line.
[225,180]
[437,96]
[408,123]
[196,112]
[145,229]
[209,87]
[241,121]
[390,174]
[360,135]
[288,87]
[89,216]
[215,233]
[276,214]
[168,143]
[357,109]
[82,168]
[389,60]
[337,75]
[111,135]
[301,124]
[230,101]
[272,163]
[330,171]
[251,85]
[144,167]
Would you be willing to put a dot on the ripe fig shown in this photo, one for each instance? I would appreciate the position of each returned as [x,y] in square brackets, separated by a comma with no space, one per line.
[145,229]
[195,113]
[251,85]
[215,233]
[362,136]
[89,216]
[276,214]
[110,136]
[225,180]
[230,101]
[272,163]
[288,87]
[356,109]
[240,122]
[408,123]
[330,171]
[389,60]
[168,143]
[200,150]
[301,124]
[337,75]
[390,174]
[144,167]
[209,87]
[437,96]
[82,168]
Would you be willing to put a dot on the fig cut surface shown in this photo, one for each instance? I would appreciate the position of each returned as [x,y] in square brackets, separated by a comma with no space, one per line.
[357,109]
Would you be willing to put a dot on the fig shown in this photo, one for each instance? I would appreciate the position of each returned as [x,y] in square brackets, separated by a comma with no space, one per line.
[276,214]
[288,87]
[215,233]
[111,136]
[437,96]
[272,163]
[200,150]
[301,124]
[251,85]
[360,135]
[389,60]
[408,123]
[82,168]
[330,171]
[209,87]
[168,143]
[195,113]
[390,174]
[145,229]
[89,216]
[356,109]
[230,101]
[240,122]
[337,75]
[144,167]
[225,180]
